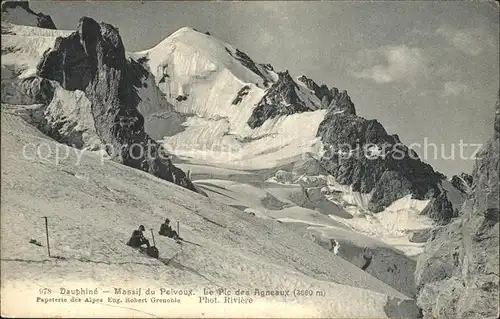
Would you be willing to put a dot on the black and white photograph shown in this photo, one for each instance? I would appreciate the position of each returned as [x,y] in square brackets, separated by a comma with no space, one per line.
[250,159]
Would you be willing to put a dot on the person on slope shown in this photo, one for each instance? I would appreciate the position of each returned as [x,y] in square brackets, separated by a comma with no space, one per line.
[137,239]
[166,230]
[367,256]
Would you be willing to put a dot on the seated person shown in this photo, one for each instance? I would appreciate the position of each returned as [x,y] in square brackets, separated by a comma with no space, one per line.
[137,239]
[166,230]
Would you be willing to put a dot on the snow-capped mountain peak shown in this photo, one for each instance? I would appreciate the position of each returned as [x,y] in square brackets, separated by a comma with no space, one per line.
[189,54]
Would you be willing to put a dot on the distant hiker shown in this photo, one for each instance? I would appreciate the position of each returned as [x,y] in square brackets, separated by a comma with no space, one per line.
[166,230]
[367,256]
[138,239]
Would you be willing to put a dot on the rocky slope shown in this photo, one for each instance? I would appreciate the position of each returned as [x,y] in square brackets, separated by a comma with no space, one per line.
[287,97]
[281,99]
[440,208]
[458,274]
[330,99]
[462,182]
[19,12]
[100,102]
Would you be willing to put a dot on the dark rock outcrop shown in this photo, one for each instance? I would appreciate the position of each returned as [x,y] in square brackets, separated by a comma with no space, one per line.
[359,152]
[249,63]
[267,66]
[457,275]
[43,20]
[340,102]
[462,182]
[330,99]
[241,94]
[92,59]
[440,209]
[280,99]
[246,61]
[320,91]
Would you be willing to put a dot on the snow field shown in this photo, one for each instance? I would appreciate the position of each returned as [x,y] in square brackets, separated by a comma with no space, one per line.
[93,208]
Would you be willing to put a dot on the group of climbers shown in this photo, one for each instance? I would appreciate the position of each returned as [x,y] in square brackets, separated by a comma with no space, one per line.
[137,240]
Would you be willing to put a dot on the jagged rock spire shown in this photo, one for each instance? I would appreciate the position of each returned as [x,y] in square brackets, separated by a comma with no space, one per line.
[43,20]
[92,59]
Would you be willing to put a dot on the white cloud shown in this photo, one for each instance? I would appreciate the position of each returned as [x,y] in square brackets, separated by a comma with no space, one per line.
[470,41]
[452,88]
[391,63]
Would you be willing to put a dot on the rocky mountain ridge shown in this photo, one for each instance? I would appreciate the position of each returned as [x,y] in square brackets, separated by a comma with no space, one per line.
[331,99]
[357,151]
[361,153]
[457,275]
[281,99]
[389,170]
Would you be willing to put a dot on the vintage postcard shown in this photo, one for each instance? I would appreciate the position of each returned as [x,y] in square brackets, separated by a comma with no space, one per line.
[250,159]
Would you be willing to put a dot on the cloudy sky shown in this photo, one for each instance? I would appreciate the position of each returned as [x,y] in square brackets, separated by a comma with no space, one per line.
[425,70]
